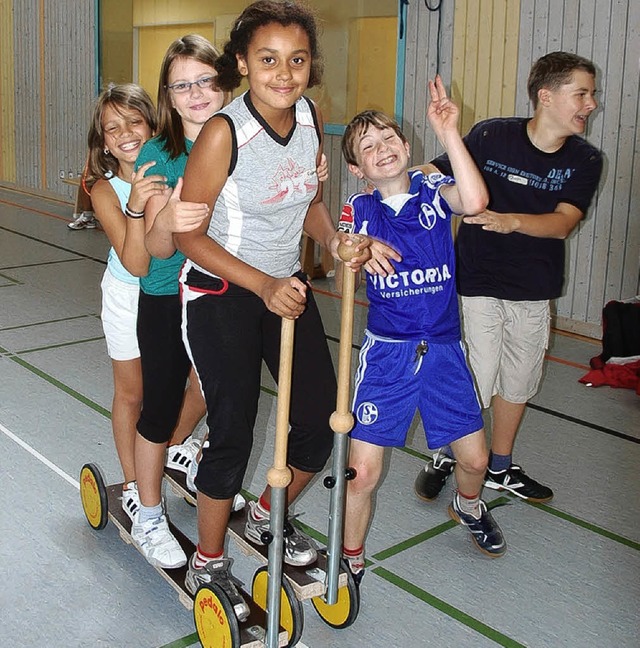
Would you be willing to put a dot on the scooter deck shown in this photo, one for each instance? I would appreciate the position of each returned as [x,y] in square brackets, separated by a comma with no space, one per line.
[307,582]
[251,631]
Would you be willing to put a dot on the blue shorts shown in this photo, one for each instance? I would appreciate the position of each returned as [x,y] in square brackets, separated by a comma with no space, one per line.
[394,379]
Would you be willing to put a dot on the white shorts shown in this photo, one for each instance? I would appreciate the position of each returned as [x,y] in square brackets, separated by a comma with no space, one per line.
[506,343]
[119,316]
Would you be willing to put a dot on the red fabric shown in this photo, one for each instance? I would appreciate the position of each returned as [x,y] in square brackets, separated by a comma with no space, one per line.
[615,375]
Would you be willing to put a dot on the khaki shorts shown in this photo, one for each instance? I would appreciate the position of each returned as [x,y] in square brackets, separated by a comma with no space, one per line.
[506,343]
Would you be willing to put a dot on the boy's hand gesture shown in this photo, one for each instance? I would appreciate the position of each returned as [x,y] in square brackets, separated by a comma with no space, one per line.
[442,112]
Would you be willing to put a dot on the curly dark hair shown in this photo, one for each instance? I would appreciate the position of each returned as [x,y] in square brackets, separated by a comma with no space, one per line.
[258,14]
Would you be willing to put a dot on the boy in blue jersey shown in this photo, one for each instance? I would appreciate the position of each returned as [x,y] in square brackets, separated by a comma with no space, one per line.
[412,356]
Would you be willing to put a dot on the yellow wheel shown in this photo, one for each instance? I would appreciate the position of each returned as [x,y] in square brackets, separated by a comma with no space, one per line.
[94,496]
[291,613]
[346,608]
[216,622]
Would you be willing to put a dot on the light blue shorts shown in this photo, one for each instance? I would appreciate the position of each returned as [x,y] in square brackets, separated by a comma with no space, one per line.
[394,379]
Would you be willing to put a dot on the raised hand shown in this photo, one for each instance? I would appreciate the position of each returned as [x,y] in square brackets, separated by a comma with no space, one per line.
[142,188]
[442,112]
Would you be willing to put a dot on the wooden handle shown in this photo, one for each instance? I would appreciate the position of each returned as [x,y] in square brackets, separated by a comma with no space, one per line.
[341,420]
[279,475]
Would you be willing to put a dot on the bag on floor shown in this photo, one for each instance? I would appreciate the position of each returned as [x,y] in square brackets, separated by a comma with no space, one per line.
[620,331]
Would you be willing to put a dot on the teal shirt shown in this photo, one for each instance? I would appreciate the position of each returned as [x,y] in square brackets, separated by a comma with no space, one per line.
[162,278]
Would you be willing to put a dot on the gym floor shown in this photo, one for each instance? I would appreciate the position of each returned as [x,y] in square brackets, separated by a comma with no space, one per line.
[571,575]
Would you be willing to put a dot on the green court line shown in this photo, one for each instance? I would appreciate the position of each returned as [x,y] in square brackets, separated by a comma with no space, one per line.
[430,533]
[39,264]
[414,453]
[53,321]
[60,345]
[627,542]
[56,383]
[189,640]
[11,280]
[449,610]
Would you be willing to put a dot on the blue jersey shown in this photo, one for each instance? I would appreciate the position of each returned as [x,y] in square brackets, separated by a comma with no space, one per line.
[419,302]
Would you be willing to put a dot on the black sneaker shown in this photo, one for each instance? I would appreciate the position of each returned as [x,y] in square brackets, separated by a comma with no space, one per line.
[485,532]
[432,479]
[516,481]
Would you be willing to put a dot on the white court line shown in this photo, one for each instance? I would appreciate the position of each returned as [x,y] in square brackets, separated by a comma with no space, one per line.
[39,457]
[59,471]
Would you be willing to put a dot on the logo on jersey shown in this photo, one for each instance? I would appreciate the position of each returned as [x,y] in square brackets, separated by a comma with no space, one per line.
[367,413]
[345,224]
[429,215]
[289,183]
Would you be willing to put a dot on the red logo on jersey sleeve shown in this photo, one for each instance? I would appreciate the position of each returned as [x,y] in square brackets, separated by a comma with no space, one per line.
[346,219]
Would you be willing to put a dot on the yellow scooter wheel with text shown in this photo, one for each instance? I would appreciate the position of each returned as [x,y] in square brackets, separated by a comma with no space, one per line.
[215,620]
[94,496]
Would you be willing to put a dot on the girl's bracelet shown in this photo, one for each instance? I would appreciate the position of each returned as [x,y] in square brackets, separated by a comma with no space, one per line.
[132,214]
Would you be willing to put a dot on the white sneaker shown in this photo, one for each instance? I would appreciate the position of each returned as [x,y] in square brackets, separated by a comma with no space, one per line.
[85,220]
[130,499]
[157,543]
[181,455]
[192,471]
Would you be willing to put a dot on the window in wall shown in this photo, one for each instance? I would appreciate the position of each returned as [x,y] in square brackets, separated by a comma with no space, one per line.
[359,41]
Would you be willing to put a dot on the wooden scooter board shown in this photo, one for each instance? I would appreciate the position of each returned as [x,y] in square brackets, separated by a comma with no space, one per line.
[307,582]
[251,631]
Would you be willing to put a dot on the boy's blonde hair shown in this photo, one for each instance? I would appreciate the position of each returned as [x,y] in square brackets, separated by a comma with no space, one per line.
[361,123]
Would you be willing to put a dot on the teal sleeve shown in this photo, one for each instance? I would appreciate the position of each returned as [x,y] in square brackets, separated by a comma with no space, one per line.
[153,151]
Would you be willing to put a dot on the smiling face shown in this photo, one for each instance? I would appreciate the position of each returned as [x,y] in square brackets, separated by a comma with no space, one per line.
[570,105]
[381,153]
[125,130]
[277,66]
[196,104]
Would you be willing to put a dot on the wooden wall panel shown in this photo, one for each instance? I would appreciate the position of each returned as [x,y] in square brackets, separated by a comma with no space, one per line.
[7,95]
[54,67]
[603,254]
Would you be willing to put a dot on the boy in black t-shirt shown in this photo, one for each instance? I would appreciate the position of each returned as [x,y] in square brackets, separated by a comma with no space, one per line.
[541,177]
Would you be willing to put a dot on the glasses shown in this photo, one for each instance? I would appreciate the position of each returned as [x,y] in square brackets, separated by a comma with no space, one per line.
[185,86]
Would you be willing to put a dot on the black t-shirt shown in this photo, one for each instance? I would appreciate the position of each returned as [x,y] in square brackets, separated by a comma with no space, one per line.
[521,179]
